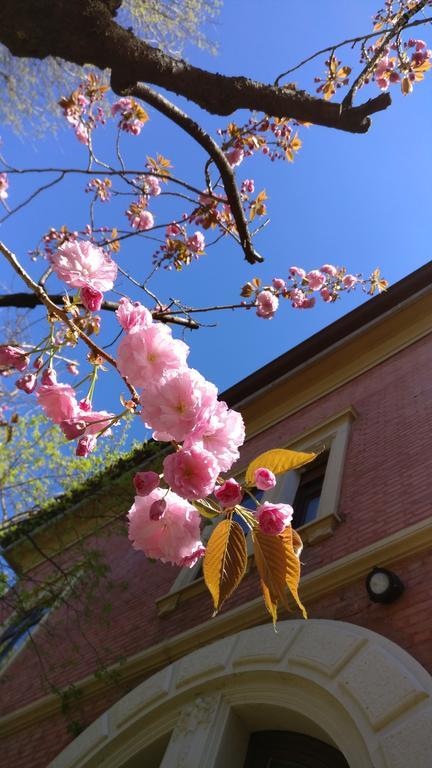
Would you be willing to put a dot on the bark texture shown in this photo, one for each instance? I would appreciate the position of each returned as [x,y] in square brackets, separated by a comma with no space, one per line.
[86,32]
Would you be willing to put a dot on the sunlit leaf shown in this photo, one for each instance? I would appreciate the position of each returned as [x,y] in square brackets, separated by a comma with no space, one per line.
[206,509]
[278,460]
[225,561]
[406,86]
[292,573]
[271,562]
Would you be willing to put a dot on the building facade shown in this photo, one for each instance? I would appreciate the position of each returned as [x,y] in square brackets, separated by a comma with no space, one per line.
[351,686]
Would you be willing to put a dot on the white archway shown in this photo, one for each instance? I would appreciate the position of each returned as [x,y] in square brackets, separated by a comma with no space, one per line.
[335,681]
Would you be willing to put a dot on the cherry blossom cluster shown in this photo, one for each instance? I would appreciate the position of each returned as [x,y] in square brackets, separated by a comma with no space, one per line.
[336,77]
[272,136]
[132,115]
[412,60]
[181,408]
[180,248]
[83,110]
[302,288]
[101,189]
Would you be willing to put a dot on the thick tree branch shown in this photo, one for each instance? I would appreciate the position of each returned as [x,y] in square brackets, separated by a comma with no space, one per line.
[85,32]
[31,300]
[181,119]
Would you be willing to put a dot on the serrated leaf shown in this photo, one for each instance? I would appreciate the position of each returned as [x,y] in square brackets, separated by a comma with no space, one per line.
[278,460]
[205,509]
[271,561]
[292,574]
[279,567]
[225,561]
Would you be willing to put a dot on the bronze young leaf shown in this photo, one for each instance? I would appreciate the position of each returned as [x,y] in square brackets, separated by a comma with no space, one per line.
[225,561]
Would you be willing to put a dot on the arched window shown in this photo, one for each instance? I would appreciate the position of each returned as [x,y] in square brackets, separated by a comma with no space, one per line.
[282,749]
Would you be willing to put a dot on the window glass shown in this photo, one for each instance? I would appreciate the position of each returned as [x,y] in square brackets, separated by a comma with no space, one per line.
[14,637]
[308,495]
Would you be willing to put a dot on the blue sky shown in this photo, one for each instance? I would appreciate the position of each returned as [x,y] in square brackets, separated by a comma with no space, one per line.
[361,201]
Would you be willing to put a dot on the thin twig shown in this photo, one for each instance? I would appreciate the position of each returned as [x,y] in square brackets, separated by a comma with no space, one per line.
[350,41]
[194,130]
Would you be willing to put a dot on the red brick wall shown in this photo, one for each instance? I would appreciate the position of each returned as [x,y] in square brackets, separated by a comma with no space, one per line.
[386,486]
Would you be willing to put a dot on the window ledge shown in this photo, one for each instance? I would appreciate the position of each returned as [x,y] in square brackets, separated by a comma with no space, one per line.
[311,533]
[319,529]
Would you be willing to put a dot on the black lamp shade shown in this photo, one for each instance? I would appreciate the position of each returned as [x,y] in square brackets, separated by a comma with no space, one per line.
[383,586]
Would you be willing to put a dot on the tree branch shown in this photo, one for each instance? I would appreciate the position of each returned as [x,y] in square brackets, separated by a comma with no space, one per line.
[31,300]
[85,32]
[393,32]
[61,314]
[183,120]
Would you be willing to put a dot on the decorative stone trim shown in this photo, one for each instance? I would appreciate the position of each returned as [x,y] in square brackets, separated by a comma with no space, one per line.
[342,683]
[405,543]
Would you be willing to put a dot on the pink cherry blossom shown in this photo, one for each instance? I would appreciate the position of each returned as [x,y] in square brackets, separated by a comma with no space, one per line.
[329,269]
[248,186]
[150,185]
[82,132]
[4,184]
[85,404]
[308,303]
[297,272]
[49,377]
[73,368]
[267,304]
[96,421]
[146,355]
[13,357]
[133,317]
[298,297]
[58,401]
[264,479]
[72,428]
[349,281]
[173,230]
[129,115]
[326,294]
[191,472]
[196,242]
[183,404]
[279,284]
[223,437]
[235,156]
[229,494]
[174,537]
[145,482]
[315,280]
[86,445]
[274,518]
[139,217]
[91,298]
[27,383]
[81,264]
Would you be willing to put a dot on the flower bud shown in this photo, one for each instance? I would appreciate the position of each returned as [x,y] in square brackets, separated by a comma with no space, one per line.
[264,479]
[157,509]
[145,482]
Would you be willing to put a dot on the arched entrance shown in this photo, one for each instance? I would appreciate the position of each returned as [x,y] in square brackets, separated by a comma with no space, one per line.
[351,689]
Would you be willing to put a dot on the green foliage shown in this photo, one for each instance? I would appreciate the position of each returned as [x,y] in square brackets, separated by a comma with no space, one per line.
[37,466]
[30,89]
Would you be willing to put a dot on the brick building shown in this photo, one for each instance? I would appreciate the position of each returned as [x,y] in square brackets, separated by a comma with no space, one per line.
[174,687]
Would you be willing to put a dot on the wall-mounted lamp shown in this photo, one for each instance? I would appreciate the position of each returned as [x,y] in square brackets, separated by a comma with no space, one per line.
[383,586]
